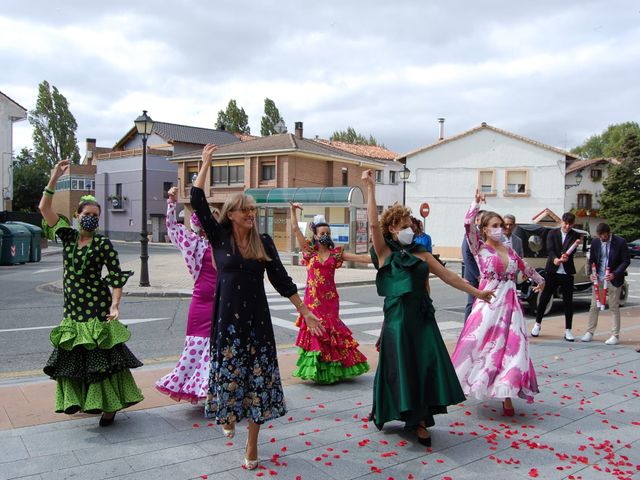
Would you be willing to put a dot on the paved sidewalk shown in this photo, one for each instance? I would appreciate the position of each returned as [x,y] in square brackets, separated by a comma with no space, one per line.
[585,424]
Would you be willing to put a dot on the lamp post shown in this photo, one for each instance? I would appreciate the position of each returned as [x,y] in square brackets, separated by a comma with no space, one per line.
[404,176]
[144,125]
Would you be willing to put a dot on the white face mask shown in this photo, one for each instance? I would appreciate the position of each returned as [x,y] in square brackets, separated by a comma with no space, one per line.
[405,236]
[495,234]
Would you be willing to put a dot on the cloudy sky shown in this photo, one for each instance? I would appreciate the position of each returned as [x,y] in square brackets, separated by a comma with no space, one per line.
[555,71]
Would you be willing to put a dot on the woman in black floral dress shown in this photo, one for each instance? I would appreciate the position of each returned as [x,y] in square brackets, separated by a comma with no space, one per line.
[90,361]
[244,378]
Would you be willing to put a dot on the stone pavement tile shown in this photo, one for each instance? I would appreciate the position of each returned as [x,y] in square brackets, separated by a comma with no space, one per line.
[136,425]
[183,416]
[218,467]
[165,456]
[348,466]
[627,411]
[592,432]
[37,465]
[13,449]
[64,440]
[5,420]
[95,471]
[472,471]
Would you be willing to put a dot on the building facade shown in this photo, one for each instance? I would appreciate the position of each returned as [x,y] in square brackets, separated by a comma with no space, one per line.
[10,113]
[517,175]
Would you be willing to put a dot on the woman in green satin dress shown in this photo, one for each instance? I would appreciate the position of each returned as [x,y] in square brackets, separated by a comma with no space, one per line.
[415,378]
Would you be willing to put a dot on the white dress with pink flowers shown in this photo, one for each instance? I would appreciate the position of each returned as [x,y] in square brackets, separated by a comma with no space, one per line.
[492,357]
[189,379]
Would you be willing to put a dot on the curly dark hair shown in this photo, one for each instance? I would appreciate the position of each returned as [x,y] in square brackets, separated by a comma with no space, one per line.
[392,216]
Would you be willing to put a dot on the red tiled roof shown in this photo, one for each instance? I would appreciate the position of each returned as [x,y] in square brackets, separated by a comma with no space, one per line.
[484,126]
[580,164]
[379,153]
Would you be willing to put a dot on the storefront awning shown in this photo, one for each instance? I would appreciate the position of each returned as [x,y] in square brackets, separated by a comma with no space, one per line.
[332,196]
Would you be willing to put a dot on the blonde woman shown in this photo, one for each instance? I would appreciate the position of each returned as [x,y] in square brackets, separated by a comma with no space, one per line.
[244,379]
[415,378]
[333,356]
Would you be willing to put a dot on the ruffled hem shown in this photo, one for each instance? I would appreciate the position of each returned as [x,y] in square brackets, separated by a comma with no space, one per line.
[311,367]
[90,334]
[110,395]
[336,345]
[50,232]
[189,379]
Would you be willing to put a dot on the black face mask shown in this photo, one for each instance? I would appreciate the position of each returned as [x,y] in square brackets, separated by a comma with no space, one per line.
[89,223]
[325,239]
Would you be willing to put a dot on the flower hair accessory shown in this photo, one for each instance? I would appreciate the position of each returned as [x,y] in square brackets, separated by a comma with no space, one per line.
[87,198]
[319,220]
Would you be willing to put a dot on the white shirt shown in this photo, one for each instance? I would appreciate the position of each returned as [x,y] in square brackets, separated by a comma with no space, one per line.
[604,259]
[561,270]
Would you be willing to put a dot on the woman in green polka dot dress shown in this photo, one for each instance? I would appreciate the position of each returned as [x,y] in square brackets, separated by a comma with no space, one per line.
[90,361]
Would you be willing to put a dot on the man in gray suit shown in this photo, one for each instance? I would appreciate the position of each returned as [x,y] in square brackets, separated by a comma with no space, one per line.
[510,239]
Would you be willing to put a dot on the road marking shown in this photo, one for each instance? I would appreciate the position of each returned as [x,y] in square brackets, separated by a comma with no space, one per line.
[375,333]
[362,320]
[130,321]
[45,270]
[353,311]
[290,307]
[283,323]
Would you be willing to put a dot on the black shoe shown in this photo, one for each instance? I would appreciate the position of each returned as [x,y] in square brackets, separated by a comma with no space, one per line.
[424,441]
[106,421]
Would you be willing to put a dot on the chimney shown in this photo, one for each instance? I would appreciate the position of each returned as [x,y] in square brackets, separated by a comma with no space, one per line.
[91,149]
[441,129]
[299,130]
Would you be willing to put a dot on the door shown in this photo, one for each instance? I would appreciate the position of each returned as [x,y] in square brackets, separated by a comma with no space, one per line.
[280,236]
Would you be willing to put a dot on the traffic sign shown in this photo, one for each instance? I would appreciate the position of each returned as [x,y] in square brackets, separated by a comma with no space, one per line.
[424,210]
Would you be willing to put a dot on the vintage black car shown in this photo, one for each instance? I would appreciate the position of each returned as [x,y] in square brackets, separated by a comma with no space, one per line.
[534,244]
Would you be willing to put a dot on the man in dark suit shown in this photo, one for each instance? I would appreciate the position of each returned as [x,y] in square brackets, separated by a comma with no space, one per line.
[470,270]
[610,255]
[510,239]
[559,272]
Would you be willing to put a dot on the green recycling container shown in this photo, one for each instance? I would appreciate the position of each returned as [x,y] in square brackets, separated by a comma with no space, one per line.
[35,250]
[15,244]
[1,235]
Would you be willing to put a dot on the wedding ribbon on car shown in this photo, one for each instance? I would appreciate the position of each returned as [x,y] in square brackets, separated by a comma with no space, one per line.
[601,297]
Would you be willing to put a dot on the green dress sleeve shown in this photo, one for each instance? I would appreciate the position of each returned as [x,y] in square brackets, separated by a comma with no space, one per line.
[61,229]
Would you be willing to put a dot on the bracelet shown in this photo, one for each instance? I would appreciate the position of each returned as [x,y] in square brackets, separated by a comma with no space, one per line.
[300,305]
[49,190]
[47,193]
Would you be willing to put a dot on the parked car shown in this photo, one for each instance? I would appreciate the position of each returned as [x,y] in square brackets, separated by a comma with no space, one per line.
[634,248]
[534,244]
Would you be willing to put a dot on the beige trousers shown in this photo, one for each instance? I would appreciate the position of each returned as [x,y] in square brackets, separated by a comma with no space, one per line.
[613,300]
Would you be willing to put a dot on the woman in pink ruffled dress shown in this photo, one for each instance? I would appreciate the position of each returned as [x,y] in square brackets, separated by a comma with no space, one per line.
[189,380]
[491,357]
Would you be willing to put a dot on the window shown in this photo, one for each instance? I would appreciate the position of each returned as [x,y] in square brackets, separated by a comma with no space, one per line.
[392,178]
[192,174]
[345,177]
[379,176]
[119,190]
[516,181]
[227,174]
[165,189]
[267,171]
[596,174]
[584,200]
[486,182]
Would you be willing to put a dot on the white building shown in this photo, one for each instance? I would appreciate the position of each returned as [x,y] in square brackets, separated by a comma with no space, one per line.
[584,185]
[517,175]
[10,112]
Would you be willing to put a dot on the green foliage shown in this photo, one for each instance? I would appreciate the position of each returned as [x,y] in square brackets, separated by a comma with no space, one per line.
[29,179]
[608,142]
[270,118]
[351,136]
[54,128]
[233,119]
[620,201]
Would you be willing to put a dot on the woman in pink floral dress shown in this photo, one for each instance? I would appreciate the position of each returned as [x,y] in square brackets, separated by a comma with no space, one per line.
[491,357]
[189,380]
[334,355]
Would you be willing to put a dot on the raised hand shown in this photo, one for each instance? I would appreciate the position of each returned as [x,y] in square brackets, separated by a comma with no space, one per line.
[486,295]
[173,193]
[367,178]
[296,206]
[479,197]
[60,168]
[207,152]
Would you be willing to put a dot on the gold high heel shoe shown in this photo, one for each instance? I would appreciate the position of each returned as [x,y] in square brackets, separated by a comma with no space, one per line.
[249,464]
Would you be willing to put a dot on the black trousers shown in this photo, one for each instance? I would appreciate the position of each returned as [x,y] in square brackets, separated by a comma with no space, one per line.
[565,282]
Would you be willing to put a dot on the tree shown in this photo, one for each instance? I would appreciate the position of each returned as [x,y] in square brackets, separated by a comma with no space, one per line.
[29,179]
[606,144]
[620,200]
[270,118]
[233,119]
[351,136]
[54,128]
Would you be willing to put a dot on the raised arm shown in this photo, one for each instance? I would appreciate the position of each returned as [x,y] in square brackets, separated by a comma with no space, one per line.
[295,228]
[178,233]
[358,258]
[471,231]
[46,201]
[379,245]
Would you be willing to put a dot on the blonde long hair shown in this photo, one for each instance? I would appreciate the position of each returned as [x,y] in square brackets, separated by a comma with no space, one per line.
[255,248]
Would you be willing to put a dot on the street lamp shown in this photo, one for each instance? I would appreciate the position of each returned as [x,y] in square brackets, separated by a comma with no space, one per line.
[144,125]
[404,176]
